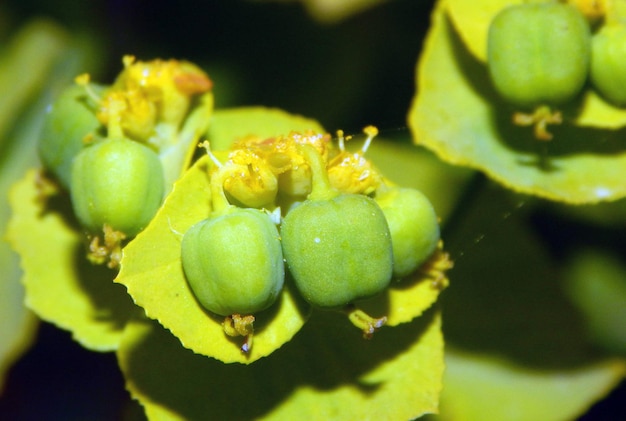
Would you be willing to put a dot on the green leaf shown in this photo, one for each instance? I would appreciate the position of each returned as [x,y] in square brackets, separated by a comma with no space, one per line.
[176,158]
[328,371]
[61,286]
[512,334]
[457,114]
[39,42]
[596,282]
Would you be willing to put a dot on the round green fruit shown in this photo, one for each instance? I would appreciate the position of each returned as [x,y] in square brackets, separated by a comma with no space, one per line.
[413,225]
[69,120]
[538,53]
[338,250]
[608,63]
[117,182]
[234,262]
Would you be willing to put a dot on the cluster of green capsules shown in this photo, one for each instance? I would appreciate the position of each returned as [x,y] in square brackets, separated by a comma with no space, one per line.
[296,204]
[103,145]
[542,54]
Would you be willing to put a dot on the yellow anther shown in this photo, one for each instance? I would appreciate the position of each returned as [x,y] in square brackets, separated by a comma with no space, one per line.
[82,79]
[371,133]
[128,60]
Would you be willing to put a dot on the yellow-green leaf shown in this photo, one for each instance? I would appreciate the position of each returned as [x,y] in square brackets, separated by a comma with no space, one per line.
[177,157]
[229,125]
[517,393]
[27,62]
[152,272]
[408,298]
[43,60]
[40,42]
[151,266]
[596,112]
[472,19]
[457,114]
[61,286]
[327,372]
[17,323]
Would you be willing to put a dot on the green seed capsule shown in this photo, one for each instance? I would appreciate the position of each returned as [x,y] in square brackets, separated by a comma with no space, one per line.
[338,250]
[117,182]
[234,262]
[608,63]
[413,225]
[538,53]
[69,120]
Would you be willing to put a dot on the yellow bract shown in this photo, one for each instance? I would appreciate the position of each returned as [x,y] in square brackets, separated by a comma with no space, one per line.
[151,267]
[62,287]
[457,114]
[168,85]
[29,69]
[472,20]
[516,389]
[327,372]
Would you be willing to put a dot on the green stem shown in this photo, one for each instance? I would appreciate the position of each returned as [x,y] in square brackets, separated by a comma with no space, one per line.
[368,324]
[321,188]
[114,126]
[220,203]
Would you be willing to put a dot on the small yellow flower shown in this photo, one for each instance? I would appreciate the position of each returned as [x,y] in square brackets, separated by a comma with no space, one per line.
[285,161]
[150,100]
[351,172]
[251,180]
[135,112]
